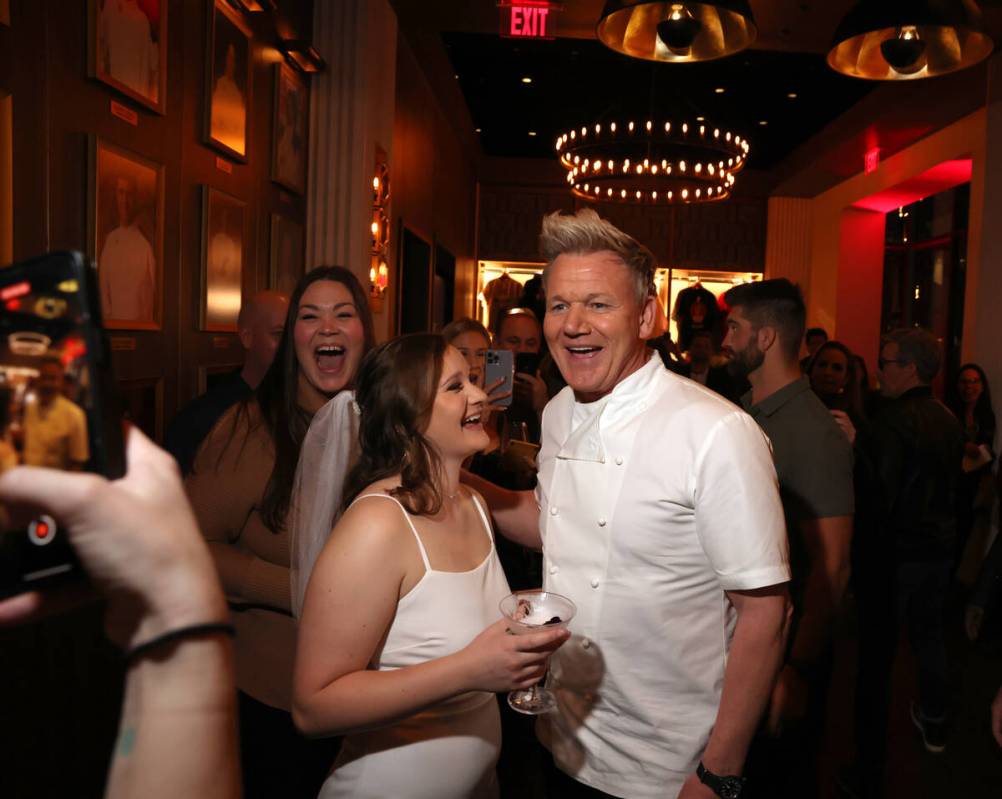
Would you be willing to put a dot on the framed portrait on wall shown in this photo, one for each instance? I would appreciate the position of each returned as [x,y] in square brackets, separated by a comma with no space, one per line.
[128,48]
[223,222]
[286,263]
[126,209]
[227,81]
[291,129]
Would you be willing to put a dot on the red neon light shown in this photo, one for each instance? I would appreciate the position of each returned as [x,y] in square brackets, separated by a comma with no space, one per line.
[871,160]
[15,290]
[940,178]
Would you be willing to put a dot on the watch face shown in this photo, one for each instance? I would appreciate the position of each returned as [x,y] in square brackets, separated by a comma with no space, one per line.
[730,788]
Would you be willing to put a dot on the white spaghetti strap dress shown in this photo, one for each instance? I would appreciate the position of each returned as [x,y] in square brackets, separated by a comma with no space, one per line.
[447,751]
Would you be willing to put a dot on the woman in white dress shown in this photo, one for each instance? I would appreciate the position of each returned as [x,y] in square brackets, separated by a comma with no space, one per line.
[401,644]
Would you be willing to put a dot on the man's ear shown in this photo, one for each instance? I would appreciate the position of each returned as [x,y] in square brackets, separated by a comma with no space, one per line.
[766,338]
[246,337]
[648,318]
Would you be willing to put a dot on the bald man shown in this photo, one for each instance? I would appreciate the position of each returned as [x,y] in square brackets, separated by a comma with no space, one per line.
[260,325]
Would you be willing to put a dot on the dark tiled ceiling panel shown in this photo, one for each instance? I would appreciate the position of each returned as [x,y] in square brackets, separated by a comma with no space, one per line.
[578,82]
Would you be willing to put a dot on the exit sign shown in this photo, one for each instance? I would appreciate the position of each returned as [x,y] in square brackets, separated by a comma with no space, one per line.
[528,19]
[871,160]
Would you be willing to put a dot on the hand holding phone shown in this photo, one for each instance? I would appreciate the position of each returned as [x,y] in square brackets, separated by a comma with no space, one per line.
[500,373]
[56,402]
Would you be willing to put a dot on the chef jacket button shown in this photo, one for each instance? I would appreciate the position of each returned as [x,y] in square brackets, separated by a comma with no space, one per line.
[553,511]
[619,461]
[594,582]
[554,569]
[602,522]
[585,643]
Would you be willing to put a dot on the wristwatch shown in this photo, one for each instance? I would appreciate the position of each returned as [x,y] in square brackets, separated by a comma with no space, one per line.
[724,787]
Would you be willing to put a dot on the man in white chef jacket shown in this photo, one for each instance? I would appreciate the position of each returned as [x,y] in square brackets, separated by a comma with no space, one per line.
[658,514]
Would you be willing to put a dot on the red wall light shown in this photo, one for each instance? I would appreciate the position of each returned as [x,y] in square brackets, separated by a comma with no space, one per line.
[940,178]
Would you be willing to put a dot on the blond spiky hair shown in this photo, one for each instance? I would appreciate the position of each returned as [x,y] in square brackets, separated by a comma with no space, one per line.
[585,232]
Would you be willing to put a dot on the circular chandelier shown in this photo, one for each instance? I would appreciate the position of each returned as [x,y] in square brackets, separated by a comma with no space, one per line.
[650,163]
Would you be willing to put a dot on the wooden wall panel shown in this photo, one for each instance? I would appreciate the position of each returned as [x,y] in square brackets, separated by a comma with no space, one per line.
[57,107]
[727,235]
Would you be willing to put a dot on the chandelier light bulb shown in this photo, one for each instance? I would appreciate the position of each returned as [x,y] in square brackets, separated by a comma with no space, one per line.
[612,127]
[685,127]
[905,51]
[679,29]
[630,127]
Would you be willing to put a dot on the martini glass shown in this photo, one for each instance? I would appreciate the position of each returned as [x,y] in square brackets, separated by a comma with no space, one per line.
[529,612]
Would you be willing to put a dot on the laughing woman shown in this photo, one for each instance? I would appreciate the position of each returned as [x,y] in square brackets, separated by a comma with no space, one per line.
[240,488]
[401,645]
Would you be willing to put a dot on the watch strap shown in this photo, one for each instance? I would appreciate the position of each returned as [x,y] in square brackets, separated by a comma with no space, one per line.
[726,787]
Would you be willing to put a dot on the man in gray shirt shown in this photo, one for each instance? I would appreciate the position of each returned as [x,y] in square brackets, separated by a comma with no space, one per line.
[814,463]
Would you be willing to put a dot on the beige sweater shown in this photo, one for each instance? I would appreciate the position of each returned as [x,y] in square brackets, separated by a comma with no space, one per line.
[226,487]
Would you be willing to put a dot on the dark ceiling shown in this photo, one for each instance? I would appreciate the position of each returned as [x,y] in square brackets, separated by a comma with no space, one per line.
[579,82]
[576,80]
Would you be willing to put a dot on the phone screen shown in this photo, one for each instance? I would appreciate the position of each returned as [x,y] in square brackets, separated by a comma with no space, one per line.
[53,378]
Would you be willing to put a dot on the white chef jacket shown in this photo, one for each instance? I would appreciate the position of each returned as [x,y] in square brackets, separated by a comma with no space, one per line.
[653,501]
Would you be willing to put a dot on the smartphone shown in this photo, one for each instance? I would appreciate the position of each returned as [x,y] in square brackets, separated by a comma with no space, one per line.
[500,366]
[58,403]
[527,363]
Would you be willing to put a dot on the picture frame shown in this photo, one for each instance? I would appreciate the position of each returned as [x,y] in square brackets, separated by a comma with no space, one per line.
[224,221]
[126,234]
[414,284]
[227,81]
[290,127]
[287,263]
[127,49]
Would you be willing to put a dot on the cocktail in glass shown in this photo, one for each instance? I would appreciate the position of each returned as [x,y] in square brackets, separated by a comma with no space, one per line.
[529,612]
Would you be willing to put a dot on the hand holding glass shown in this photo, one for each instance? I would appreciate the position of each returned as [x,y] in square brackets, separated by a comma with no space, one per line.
[529,612]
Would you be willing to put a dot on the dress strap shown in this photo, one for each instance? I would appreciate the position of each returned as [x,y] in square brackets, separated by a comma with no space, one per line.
[483,516]
[407,516]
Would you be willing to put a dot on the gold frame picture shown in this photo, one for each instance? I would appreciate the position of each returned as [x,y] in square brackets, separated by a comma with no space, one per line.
[126,235]
[227,81]
[224,224]
[128,49]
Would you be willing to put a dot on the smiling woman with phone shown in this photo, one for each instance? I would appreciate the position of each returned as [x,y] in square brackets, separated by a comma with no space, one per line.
[240,488]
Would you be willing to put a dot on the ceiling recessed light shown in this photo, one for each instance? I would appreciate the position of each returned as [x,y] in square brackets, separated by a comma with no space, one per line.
[526,79]
[719,90]
[792,95]
[456,77]
[763,122]
[476,130]
[701,119]
[532,133]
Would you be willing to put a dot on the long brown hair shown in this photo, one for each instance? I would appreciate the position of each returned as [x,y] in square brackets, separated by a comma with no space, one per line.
[395,390]
[277,396]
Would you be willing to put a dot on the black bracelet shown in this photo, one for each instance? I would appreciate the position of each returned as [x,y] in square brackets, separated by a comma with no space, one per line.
[192,631]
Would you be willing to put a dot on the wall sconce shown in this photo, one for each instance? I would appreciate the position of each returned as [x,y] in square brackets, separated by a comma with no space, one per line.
[379,232]
[302,55]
